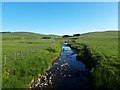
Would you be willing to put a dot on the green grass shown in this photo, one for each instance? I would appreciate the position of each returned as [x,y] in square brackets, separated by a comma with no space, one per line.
[24,56]
[102,50]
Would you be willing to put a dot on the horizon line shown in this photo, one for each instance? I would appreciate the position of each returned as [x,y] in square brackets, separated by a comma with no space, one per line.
[60,34]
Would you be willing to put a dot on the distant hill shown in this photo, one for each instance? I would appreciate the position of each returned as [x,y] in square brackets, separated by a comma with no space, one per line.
[23,35]
[105,34]
[30,35]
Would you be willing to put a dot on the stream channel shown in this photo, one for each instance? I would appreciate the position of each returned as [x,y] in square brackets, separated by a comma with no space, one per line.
[65,73]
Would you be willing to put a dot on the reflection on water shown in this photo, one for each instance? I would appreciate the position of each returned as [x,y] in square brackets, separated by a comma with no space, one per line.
[66,72]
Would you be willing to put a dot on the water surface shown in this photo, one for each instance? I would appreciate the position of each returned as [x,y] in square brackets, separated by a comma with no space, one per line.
[67,72]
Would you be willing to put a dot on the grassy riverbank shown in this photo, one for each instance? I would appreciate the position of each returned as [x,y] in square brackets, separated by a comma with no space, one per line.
[99,51]
[24,56]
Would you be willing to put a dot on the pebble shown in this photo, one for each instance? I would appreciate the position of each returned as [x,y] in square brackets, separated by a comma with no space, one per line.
[50,82]
[57,68]
[55,63]
[69,75]
[45,84]
[64,75]
[50,78]
[65,64]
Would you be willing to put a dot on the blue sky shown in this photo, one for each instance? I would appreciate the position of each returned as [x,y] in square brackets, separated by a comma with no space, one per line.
[60,17]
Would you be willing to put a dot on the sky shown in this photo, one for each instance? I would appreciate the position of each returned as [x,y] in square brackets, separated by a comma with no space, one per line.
[59,17]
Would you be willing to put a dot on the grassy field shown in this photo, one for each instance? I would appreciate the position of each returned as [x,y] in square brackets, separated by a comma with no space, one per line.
[25,56]
[99,50]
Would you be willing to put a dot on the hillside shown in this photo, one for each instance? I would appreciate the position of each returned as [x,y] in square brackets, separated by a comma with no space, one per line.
[23,35]
[24,57]
[105,34]
[99,51]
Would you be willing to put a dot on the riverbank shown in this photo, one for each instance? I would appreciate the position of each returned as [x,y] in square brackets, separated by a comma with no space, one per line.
[103,66]
[41,75]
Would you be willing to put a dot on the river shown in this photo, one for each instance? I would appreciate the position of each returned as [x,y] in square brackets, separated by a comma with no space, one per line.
[65,73]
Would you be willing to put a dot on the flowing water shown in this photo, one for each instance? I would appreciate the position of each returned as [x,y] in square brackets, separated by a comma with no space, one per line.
[66,73]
